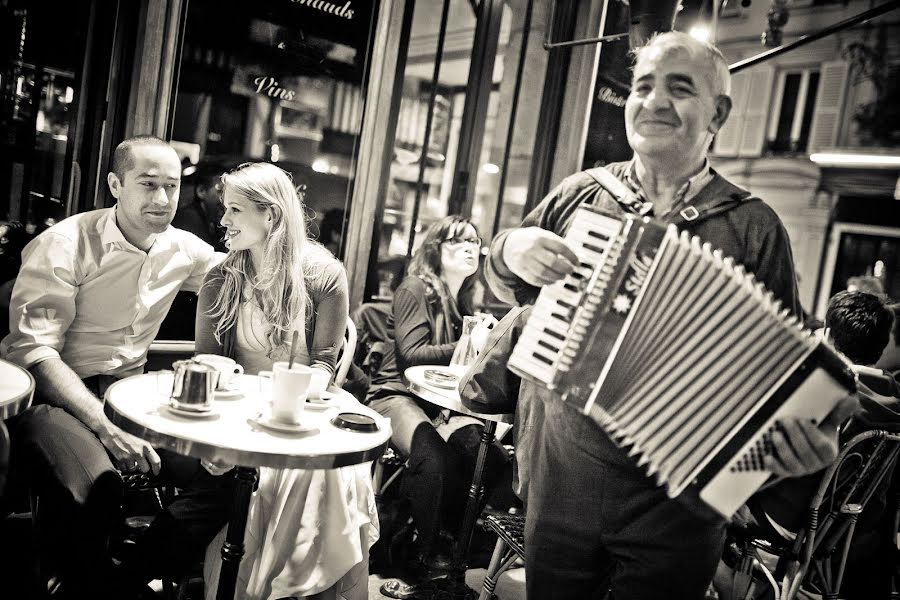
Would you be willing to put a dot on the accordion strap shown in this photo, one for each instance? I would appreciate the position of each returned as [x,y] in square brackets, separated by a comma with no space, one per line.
[630,202]
[618,190]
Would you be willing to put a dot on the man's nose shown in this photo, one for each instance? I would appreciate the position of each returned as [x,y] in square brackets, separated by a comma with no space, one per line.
[161,197]
[656,100]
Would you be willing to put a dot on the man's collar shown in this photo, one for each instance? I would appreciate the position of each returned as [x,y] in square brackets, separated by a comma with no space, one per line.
[110,232]
[688,190]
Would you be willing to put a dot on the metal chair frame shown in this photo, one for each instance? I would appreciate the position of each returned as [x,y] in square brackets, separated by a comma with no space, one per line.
[821,547]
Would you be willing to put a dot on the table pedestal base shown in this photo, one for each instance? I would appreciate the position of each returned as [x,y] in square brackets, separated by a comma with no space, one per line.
[454,587]
[233,548]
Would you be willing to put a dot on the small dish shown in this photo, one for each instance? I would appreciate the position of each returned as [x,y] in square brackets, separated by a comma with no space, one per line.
[192,413]
[266,422]
[441,378]
[229,393]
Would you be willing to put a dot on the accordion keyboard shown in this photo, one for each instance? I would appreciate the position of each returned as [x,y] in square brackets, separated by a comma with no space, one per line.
[544,348]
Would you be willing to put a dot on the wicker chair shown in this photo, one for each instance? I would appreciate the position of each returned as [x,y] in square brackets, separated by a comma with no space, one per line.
[510,530]
[817,557]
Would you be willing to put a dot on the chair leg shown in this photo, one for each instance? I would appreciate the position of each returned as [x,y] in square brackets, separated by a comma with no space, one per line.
[501,560]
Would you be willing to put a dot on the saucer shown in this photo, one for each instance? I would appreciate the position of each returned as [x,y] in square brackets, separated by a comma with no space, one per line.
[228,393]
[191,413]
[266,422]
[318,405]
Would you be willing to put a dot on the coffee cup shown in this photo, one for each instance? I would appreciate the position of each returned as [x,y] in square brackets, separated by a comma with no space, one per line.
[289,389]
[228,369]
[318,383]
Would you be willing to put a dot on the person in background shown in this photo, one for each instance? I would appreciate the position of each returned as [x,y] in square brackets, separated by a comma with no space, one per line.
[308,531]
[201,215]
[89,299]
[331,230]
[423,329]
[588,500]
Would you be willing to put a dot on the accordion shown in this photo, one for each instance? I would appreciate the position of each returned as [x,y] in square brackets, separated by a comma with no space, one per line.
[678,354]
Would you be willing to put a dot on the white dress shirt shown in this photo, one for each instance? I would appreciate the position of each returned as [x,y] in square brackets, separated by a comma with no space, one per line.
[86,295]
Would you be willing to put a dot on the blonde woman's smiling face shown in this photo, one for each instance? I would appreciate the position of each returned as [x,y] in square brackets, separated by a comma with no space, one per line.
[246,224]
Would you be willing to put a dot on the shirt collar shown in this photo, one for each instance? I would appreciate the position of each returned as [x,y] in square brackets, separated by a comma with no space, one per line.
[109,231]
[685,193]
[111,234]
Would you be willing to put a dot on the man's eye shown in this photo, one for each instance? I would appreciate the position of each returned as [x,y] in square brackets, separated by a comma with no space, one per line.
[147,184]
[682,90]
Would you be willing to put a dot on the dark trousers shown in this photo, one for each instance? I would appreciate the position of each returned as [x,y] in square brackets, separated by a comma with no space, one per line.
[596,524]
[80,495]
[439,474]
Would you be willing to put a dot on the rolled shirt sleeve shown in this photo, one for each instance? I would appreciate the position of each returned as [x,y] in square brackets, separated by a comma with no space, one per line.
[43,301]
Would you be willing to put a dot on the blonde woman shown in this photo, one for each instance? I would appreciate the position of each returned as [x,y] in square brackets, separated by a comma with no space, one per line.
[308,531]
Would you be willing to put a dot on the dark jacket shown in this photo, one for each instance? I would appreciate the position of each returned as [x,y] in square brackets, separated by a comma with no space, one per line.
[421,331]
[731,219]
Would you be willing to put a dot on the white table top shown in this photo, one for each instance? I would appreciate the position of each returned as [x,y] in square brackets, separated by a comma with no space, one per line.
[443,397]
[16,389]
[138,405]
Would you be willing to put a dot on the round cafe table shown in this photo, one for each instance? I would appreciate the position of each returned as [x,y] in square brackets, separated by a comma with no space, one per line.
[445,394]
[233,434]
[16,389]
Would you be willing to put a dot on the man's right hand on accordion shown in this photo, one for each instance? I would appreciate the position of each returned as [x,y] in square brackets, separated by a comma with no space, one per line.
[537,256]
[802,446]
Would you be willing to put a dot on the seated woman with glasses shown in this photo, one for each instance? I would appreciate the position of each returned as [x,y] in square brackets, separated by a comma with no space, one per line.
[273,282]
[425,324]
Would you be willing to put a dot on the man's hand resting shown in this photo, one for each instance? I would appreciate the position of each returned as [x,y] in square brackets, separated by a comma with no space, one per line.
[537,256]
[803,447]
[130,454]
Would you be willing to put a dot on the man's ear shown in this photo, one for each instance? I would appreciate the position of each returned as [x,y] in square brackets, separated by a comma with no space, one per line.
[723,109]
[115,186]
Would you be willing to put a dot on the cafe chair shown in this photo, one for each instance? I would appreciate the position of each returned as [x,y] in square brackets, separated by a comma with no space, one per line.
[816,559]
[510,547]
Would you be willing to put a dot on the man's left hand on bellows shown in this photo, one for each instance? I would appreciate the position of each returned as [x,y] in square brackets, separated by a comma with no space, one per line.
[802,446]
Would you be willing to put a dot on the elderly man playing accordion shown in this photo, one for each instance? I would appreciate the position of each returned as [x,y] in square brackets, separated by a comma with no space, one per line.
[588,500]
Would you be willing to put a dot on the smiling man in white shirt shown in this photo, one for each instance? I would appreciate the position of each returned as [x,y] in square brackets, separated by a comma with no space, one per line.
[88,300]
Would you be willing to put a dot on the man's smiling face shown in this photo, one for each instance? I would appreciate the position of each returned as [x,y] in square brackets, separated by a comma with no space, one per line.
[671,110]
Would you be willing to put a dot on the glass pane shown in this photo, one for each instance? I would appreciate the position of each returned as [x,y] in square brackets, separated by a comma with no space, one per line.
[782,141]
[271,80]
[861,254]
[811,91]
[411,206]
[43,46]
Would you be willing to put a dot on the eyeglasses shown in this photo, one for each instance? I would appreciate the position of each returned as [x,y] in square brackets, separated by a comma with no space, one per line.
[456,241]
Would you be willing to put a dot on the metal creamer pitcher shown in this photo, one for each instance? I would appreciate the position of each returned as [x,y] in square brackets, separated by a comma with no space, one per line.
[195,384]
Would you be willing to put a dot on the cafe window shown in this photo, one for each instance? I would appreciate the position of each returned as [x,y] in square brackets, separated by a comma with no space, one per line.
[57,101]
[463,142]
[278,81]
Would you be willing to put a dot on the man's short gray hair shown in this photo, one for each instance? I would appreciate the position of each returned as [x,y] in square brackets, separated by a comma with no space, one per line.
[720,78]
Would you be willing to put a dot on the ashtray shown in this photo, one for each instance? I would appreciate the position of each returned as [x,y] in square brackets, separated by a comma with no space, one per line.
[355,422]
[440,378]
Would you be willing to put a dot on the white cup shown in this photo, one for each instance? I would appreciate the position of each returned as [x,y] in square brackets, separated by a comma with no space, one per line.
[289,389]
[318,383]
[228,369]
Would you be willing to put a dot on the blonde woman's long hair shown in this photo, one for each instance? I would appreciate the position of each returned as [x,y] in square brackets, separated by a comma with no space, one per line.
[291,263]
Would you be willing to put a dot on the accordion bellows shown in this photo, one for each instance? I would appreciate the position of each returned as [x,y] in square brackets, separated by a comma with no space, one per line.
[678,354]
